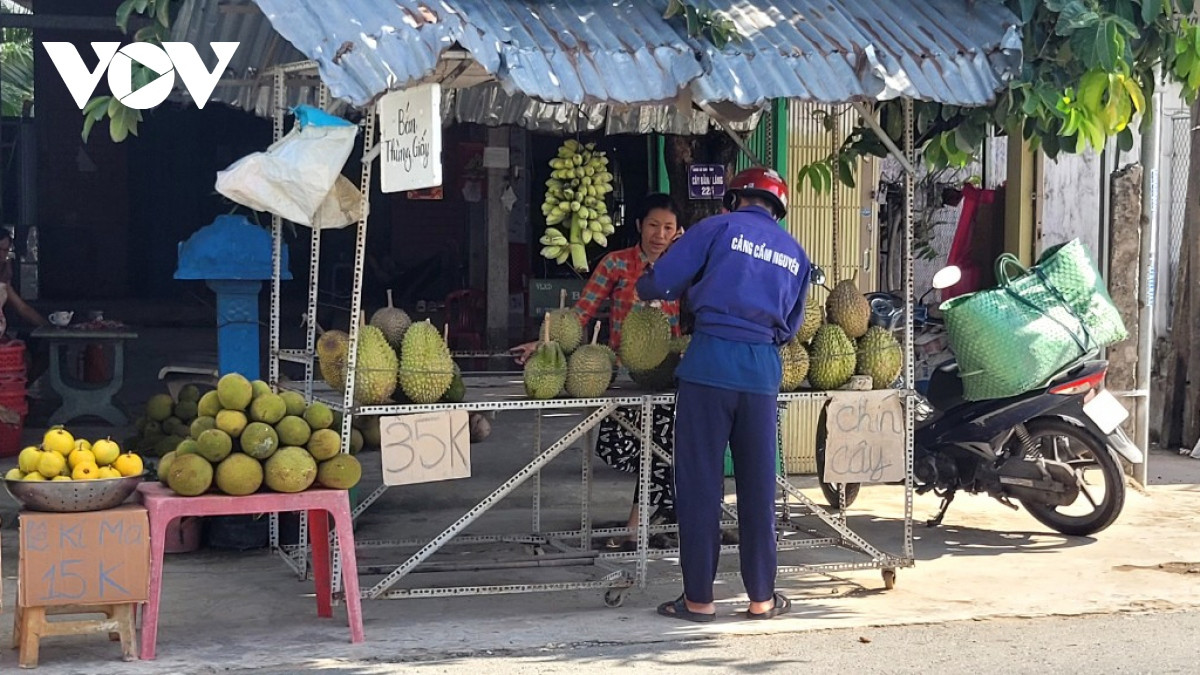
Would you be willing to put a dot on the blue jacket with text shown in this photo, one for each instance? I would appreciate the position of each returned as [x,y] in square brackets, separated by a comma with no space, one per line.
[746,278]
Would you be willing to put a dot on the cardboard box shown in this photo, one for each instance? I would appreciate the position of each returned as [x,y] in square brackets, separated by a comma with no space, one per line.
[96,557]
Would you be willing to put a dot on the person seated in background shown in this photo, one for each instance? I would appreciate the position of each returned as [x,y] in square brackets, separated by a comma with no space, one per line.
[614,279]
[9,298]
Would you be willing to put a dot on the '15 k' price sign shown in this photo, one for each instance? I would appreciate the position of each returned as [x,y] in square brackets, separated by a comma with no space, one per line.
[425,447]
[84,558]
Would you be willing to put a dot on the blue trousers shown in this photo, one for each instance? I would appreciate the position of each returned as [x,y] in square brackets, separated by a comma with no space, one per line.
[706,419]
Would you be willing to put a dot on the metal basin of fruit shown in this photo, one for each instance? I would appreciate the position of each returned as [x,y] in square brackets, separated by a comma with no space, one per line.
[72,496]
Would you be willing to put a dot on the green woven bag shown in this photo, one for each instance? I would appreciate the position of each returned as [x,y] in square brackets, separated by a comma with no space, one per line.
[1014,337]
[1068,269]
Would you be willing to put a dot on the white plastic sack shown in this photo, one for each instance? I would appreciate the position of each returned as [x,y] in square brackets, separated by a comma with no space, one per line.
[296,174]
[341,207]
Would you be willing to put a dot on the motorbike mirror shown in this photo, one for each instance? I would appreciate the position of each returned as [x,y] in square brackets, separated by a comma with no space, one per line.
[816,276]
[947,277]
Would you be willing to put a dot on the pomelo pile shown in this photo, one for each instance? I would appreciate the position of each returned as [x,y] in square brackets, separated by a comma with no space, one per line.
[245,437]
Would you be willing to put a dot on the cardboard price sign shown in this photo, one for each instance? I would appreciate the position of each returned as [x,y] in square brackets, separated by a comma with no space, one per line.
[864,437]
[425,447]
[80,558]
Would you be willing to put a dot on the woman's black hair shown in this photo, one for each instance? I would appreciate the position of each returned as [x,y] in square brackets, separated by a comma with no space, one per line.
[657,200]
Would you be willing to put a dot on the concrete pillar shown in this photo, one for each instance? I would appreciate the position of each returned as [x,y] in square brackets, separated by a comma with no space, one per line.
[497,247]
[1020,200]
[1125,252]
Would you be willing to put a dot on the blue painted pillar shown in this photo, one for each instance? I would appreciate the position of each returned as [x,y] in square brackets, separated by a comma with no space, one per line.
[237,326]
[233,257]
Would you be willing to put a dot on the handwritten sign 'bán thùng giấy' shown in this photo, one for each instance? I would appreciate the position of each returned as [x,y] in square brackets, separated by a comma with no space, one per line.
[95,557]
[425,447]
[864,437]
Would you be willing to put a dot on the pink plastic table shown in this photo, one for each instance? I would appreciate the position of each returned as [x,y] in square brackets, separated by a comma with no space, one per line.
[163,506]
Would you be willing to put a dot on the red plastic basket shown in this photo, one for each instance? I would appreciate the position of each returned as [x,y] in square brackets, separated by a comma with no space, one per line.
[10,434]
[12,356]
[12,381]
[14,399]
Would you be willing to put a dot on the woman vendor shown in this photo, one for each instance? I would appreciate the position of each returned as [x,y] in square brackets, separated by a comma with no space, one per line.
[614,278]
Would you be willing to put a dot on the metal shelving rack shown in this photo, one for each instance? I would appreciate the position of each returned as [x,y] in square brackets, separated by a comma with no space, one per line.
[495,394]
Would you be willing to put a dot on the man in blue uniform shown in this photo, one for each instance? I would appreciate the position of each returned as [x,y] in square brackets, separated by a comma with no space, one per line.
[746,280]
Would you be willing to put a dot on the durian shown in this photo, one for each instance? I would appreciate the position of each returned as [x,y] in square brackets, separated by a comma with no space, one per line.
[662,376]
[847,308]
[393,321]
[880,357]
[590,369]
[794,358]
[546,369]
[426,368]
[814,316]
[831,358]
[645,338]
[332,349]
[374,368]
[565,328]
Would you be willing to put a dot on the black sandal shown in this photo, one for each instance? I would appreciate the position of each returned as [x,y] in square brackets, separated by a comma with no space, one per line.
[678,608]
[782,606]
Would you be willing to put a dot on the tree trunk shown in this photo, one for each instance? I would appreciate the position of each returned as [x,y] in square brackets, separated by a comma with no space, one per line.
[680,151]
[1181,415]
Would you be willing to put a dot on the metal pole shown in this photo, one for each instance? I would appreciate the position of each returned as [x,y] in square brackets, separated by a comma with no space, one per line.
[1151,141]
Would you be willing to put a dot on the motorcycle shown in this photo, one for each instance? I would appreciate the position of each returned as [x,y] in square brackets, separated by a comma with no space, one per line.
[1043,449]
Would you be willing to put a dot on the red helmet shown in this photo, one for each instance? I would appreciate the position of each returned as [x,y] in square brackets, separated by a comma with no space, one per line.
[759,182]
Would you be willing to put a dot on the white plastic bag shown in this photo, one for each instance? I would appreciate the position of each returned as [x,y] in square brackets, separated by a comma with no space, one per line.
[296,174]
[341,207]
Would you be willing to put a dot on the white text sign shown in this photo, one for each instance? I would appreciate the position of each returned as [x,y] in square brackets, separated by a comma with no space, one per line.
[864,437]
[410,129]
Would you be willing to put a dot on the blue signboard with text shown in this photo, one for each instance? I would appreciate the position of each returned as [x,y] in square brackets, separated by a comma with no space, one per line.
[706,181]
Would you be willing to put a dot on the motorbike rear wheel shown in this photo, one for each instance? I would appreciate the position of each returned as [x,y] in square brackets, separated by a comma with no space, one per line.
[833,496]
[1083,451]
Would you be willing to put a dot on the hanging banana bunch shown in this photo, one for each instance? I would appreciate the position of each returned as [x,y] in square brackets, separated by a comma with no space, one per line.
[575,207]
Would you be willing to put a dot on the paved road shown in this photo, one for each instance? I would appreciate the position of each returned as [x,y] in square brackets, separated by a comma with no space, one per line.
[1124,643]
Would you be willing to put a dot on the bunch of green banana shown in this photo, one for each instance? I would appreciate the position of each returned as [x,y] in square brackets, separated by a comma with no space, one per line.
[575,196]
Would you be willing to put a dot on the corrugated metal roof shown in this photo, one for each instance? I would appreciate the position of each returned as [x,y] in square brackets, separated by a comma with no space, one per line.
[590,52]
[623,51]
[832,51]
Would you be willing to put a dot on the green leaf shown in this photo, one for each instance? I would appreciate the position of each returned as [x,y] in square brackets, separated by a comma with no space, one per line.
[1151,10]
[674,7]
[1109,45]
[1091,89]
[163,12]
[123,12]
[1135,94]
[1125,139]
[846,172]
[1027,9]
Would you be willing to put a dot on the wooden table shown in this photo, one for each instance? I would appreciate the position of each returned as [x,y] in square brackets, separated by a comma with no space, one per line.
[163,506]
[79,399]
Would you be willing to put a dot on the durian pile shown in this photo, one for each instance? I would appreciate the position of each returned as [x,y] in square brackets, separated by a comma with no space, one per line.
[562,364]
[575,197]
[835,344]
[246,436]
[396,359]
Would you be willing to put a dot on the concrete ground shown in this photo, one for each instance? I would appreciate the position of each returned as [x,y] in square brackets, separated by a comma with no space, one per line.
[227,610]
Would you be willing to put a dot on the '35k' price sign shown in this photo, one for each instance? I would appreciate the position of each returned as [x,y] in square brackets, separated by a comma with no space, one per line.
[425,447]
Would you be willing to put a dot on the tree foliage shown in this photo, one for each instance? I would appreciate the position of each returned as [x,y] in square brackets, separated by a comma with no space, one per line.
[123,120]
[1088,68]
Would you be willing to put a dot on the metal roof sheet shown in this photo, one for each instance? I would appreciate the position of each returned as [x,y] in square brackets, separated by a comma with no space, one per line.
[622,51]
